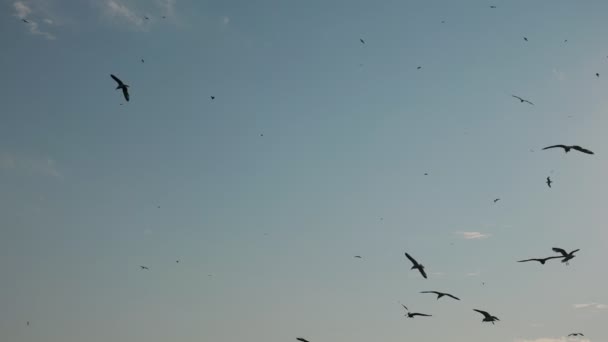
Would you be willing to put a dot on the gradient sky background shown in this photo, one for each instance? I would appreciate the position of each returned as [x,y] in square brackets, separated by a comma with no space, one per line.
[266,227]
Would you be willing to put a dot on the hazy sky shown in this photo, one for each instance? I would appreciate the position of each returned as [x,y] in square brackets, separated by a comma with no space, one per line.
[313,151]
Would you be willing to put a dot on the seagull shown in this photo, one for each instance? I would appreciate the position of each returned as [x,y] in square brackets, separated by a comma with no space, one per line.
[413,314]
[417,266]
[25,21]
[549,181]
[487,317]
[526,39]
[121,85]
[492,6]
[567,148]
[542,261]
[301,339]
[496,200]
[418,68]
[441,294]
[362,41]
[144,268]
[213,97]
[142,60]
[358,256]
[576,334]
[597,74]
[567,256]
[522,100]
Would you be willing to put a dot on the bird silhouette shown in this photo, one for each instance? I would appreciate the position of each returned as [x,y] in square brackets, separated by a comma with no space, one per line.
[549,181]
[522,100]
[362,41]
[301,339]
[576,334]
[121,85]
[25,21]
[542,261]
[28,323]
[145,17]
[142,60]
[213,97]
[177,261]
[492,6]
[358,256]
[597,74]
[441,294]
[567,148]
[566,256]
[144,267]
[496,200]
[416,265]
[526,39]
[418,68]
[413,314]
[487,317]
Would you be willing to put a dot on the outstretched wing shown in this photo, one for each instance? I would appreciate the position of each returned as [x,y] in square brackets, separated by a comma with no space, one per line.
[580,149]
[422,272]
[552,257]
[449,295]
[125,92]
[411,259]
[405,307]
[419,314]
[435,292]
[532,260]
[487,315]
[301,339]
[517,97]
[554,146]
[559,250]
[574,251]
[117,80]
[529,102]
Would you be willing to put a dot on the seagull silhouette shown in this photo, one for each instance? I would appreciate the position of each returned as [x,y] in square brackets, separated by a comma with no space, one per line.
[496,200]
[597,74]
[487,317]
[413,314]
[549,181]
[213,97]
[522,100]
[418,68]
[25,21]
[441,294]
[542,261]
[576,334]
[144,268]
[526,39]
[567,148]
[358,256]
[492,6]
[566,256]
[121,85]
[416,266]
[362,41]
[301,339]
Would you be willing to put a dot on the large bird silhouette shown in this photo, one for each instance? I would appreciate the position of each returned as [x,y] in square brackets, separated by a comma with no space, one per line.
[566,256]
[441,294]
[413,314]
[487,317]
[416,266]
[522,100]
[123,86]
[568,148]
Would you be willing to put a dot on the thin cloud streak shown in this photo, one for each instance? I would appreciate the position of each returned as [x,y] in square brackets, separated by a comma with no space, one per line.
[591,306]
[37,165]
[473,235]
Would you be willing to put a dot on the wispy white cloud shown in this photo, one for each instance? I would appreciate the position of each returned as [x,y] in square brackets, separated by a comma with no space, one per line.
[119,10]
[473,235]
[549,339]
[37,165]
[167,7]
[560,75]
[23,10]
[473,274]
[591,306]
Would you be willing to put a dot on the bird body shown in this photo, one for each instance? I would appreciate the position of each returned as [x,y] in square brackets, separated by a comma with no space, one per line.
[576,334]
[565,255]
[416,265]
[568,148]
[121,85]
[441,294]
[487,317]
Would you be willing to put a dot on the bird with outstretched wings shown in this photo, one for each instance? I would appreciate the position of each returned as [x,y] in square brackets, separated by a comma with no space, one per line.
[568,148]
[416,265]
[121,85]
[441,294]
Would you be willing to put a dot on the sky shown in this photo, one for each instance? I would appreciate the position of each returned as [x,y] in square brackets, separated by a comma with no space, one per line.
[314,150]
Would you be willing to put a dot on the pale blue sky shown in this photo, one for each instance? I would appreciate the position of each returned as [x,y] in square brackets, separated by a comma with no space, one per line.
[266,227]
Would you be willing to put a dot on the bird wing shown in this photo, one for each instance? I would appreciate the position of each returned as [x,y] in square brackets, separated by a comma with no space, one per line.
[435,292]
[487,315]
[116,79]
[574,251]
[552,257]
[411,259]
[422,272]
[580,149]
[554,146]
[449,295]
[419,314]
[125,92]
[559,250]
[529,102]
[405,307]
[517,97]
[301,339]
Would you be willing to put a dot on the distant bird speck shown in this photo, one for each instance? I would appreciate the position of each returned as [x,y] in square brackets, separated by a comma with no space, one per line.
[358,256]
[526,39]
[567,148]
[144,267]
[576,334]
[522,100]
[496,200]
[142,60]
[362,41]
[549,181]
[25,21]
[212,97]
[492,6]
[301,339]
[177,261]
[28,323]
[597,74]
[418,68]
[121,85]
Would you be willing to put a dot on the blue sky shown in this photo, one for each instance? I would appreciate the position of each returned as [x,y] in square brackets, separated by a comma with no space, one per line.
[313,151]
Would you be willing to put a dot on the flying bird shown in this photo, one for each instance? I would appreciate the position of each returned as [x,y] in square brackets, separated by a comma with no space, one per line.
[142,60]
[542,261]
[362,41]
[487,317]
[25,21]
[597,74]
[522,100]
[526,39]
[441,294]
[213,97]
[549,181]
[301,339]
[28,323]
[121,85]
[496,200]
[144,268]
[177,261]
[358,256]
[576,334]
[145,17]
[413,314]
[567,148]
[418,68]
[492,6]
[416,265]
[566,256]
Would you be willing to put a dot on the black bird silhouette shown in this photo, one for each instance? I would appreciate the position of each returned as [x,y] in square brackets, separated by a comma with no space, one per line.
[576,334]
[441,294]
[28,323]
[416,266]
[597,74]
[526,39]
[566,256]
[362,41]
[549,181]
[542,261]
[142,60]
[418,68]
[413,314]
[145,17]
[358,256]
[177,261]
[496,200]
[565,41]
[567,148]
[487,317]
[121,85]
[522,100]
[213,97]
[301,339]
[25,21]
[144,268]
[492,6]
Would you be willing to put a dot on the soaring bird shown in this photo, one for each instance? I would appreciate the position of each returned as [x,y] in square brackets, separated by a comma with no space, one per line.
[487,317]
[496,200]
[576,334]
[492,6]
[522,100]
[301,339]
[362,41]
[526,39]
[566,256]
[418,68]
[413,314]
[597,74]
[213,97]
[25,21]
[567,148]
[142,60]
[549,181]
[441,294]
[121,85]
[144,268]
[416,266]
[358,256]
[542,261]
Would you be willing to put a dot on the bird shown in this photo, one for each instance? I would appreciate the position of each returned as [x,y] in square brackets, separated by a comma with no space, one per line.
[496,200]
[121,85]
[358,256]
[164,17]
[301,339]
[426,173]
[597,74]
[487,317]
[417,266]
[441,294]
[25,21]
[145,17]
[522,100]
[144,267]
[549,181]
[566,40]
[177,261]
[492,6]
[542,261]
[362,41]
[567,148]
[566,256]
[142,60]
[526,39]
[212,97]
[418,68]
[413,314]
[576,334]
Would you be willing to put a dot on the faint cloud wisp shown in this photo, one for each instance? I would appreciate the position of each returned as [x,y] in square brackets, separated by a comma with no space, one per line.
[473,235]
[591,306]
[37,165]
[115,8]
[23,11]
